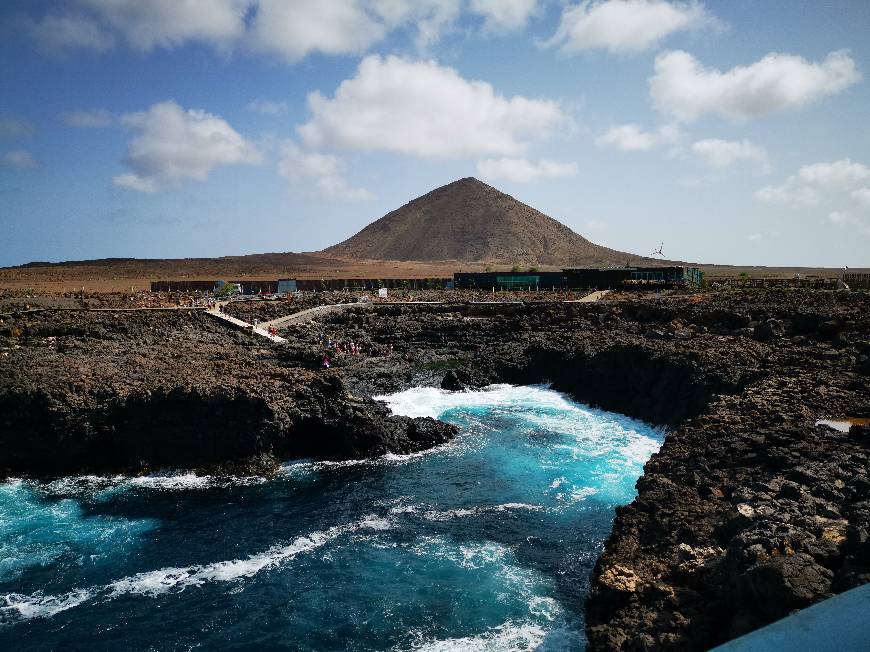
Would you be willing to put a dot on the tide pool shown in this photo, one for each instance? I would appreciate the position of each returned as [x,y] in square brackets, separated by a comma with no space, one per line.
[484,543]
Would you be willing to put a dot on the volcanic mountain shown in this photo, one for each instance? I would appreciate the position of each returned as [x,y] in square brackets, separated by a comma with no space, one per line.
[470,221]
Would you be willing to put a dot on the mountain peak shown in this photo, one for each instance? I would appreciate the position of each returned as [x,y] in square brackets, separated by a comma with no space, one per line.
[472,182]
[470,221]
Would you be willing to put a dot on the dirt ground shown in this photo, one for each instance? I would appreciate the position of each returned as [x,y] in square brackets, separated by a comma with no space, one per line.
[130,275]
[133,275]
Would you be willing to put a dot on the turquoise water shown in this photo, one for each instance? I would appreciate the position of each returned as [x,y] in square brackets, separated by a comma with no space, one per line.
[484,543]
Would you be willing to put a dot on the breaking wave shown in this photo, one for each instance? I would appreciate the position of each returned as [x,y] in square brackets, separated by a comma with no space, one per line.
[165,580]
[483,543]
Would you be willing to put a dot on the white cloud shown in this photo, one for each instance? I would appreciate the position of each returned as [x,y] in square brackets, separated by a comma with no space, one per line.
[290,29]
[431,17]
[59,33]
[752,237]
[504,15]
[169,23]
[788,193]
[92,119]
[267,107]
[300,167]
[722,154]
[17,158]
[862,196]
[685,89]
[14,127]
[98,25]
[844,219]
[520,170]
[625,26]
[632,137]
[173,145]
[427,110]
[835,180]
[131,181]
[840,218]
[295,29]
[837,174]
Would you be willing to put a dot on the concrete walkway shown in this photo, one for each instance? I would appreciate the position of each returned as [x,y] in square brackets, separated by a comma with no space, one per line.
[260,329]
[595,296]
[308,314]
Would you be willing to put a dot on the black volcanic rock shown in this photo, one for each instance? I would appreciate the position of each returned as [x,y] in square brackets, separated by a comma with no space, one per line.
[749,509]
[102,391]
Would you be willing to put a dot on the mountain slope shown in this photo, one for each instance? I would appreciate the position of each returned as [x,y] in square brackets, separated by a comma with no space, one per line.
[469,221]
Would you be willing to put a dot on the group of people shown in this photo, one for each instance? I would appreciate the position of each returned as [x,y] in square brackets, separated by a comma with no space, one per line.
[271,329]
[339,348]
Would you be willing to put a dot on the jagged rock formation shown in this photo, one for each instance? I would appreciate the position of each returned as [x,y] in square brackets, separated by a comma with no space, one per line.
[749,510]
[468,221]
[103,391]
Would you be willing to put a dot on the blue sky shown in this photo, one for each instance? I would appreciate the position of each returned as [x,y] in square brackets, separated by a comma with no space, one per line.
[734,132]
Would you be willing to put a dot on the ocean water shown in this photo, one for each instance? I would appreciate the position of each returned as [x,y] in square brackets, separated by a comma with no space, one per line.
[485,543]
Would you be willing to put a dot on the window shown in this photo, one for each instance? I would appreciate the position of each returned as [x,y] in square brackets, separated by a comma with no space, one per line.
[518,281]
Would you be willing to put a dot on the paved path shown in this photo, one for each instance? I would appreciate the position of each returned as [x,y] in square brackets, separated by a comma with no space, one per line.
[260,329]
[312,313]
[297,317]
[594,296]
[308,314]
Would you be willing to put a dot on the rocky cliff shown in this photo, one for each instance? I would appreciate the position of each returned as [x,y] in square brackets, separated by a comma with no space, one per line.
[107,391]
[749,510]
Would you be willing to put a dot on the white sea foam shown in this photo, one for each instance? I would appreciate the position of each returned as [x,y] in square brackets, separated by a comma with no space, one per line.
[581,493]
[433,402]
[567,499]
[639,449]
[403,509]
[192,481]
[103,487]
[432,514]
[302,468]
[468,556]
[164,580]
[38,605]
[547,410]
[507,636]
[463,512]
[545,607]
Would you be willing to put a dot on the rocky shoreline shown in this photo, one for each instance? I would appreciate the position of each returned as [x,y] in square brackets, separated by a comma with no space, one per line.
[133,392]
[749,510]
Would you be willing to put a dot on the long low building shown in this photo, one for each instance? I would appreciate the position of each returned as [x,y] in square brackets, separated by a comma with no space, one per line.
[603,278]
[621,277]
[569,278]
[320,285]
[510,280]
[248,286]
[287,285]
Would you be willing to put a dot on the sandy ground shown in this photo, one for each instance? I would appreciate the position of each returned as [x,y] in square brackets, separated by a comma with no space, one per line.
[126,275]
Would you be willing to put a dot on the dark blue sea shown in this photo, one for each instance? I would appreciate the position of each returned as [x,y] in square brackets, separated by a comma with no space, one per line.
[486,543]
